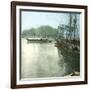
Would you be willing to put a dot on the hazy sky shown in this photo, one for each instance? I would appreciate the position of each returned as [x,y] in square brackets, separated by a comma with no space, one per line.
[35,19]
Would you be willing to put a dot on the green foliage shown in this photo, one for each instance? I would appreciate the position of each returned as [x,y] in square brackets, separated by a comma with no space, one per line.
[42,31]
[30,32]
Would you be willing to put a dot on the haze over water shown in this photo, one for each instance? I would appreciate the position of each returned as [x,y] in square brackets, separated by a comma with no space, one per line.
[41,60]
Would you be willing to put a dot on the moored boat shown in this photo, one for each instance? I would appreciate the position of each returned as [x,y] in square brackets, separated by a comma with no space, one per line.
[38,40]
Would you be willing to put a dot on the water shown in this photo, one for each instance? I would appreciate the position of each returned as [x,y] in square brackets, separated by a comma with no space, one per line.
[45,60]
[41,60]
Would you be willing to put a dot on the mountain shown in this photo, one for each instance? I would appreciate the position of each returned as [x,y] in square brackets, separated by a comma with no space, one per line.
[42,31]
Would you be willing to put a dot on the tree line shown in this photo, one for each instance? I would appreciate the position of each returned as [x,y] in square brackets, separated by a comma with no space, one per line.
[44,31]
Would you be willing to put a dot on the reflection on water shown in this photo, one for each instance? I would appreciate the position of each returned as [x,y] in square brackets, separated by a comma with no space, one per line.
[41,60]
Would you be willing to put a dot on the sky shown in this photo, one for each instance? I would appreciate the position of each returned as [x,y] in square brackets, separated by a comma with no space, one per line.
[33,19]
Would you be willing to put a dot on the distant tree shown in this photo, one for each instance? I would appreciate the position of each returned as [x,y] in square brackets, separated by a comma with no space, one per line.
[47,31]
[29,32]
[44,31]
[32,32]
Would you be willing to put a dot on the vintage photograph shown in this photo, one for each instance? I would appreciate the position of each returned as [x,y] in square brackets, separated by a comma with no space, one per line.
[50,44]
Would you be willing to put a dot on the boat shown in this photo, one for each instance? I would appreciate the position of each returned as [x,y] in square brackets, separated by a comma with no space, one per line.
[38,40]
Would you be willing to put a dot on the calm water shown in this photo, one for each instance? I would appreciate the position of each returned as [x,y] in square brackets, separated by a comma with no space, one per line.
[42,60]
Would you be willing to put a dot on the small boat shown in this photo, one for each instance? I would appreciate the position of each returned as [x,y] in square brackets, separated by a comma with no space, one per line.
[38,40]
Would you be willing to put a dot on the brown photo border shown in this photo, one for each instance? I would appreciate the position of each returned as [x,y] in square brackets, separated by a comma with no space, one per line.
[13,44]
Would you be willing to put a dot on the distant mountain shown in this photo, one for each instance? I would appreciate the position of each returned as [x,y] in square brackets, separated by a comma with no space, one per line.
[42,31]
